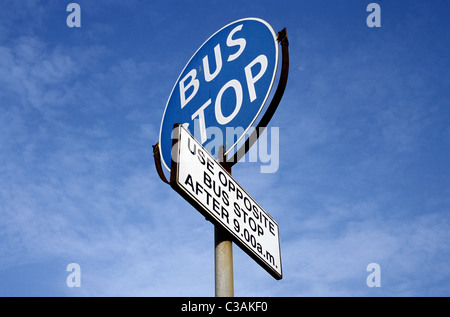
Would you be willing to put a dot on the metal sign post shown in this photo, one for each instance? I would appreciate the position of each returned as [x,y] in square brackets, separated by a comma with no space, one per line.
[223,251]
[223,263]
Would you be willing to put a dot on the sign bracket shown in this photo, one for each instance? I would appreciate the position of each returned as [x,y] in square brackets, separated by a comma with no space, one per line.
[157,158]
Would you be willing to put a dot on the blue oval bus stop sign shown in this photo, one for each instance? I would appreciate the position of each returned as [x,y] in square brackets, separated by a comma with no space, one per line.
[224,85]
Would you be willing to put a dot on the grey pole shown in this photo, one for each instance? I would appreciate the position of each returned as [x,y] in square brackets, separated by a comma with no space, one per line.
[223,252]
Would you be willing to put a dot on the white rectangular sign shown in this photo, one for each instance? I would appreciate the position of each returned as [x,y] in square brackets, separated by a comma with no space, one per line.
[201,180]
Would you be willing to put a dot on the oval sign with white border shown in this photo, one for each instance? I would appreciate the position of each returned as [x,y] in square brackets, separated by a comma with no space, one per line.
[224,85]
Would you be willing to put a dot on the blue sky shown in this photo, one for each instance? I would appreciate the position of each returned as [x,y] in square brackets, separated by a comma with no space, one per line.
[364,150]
